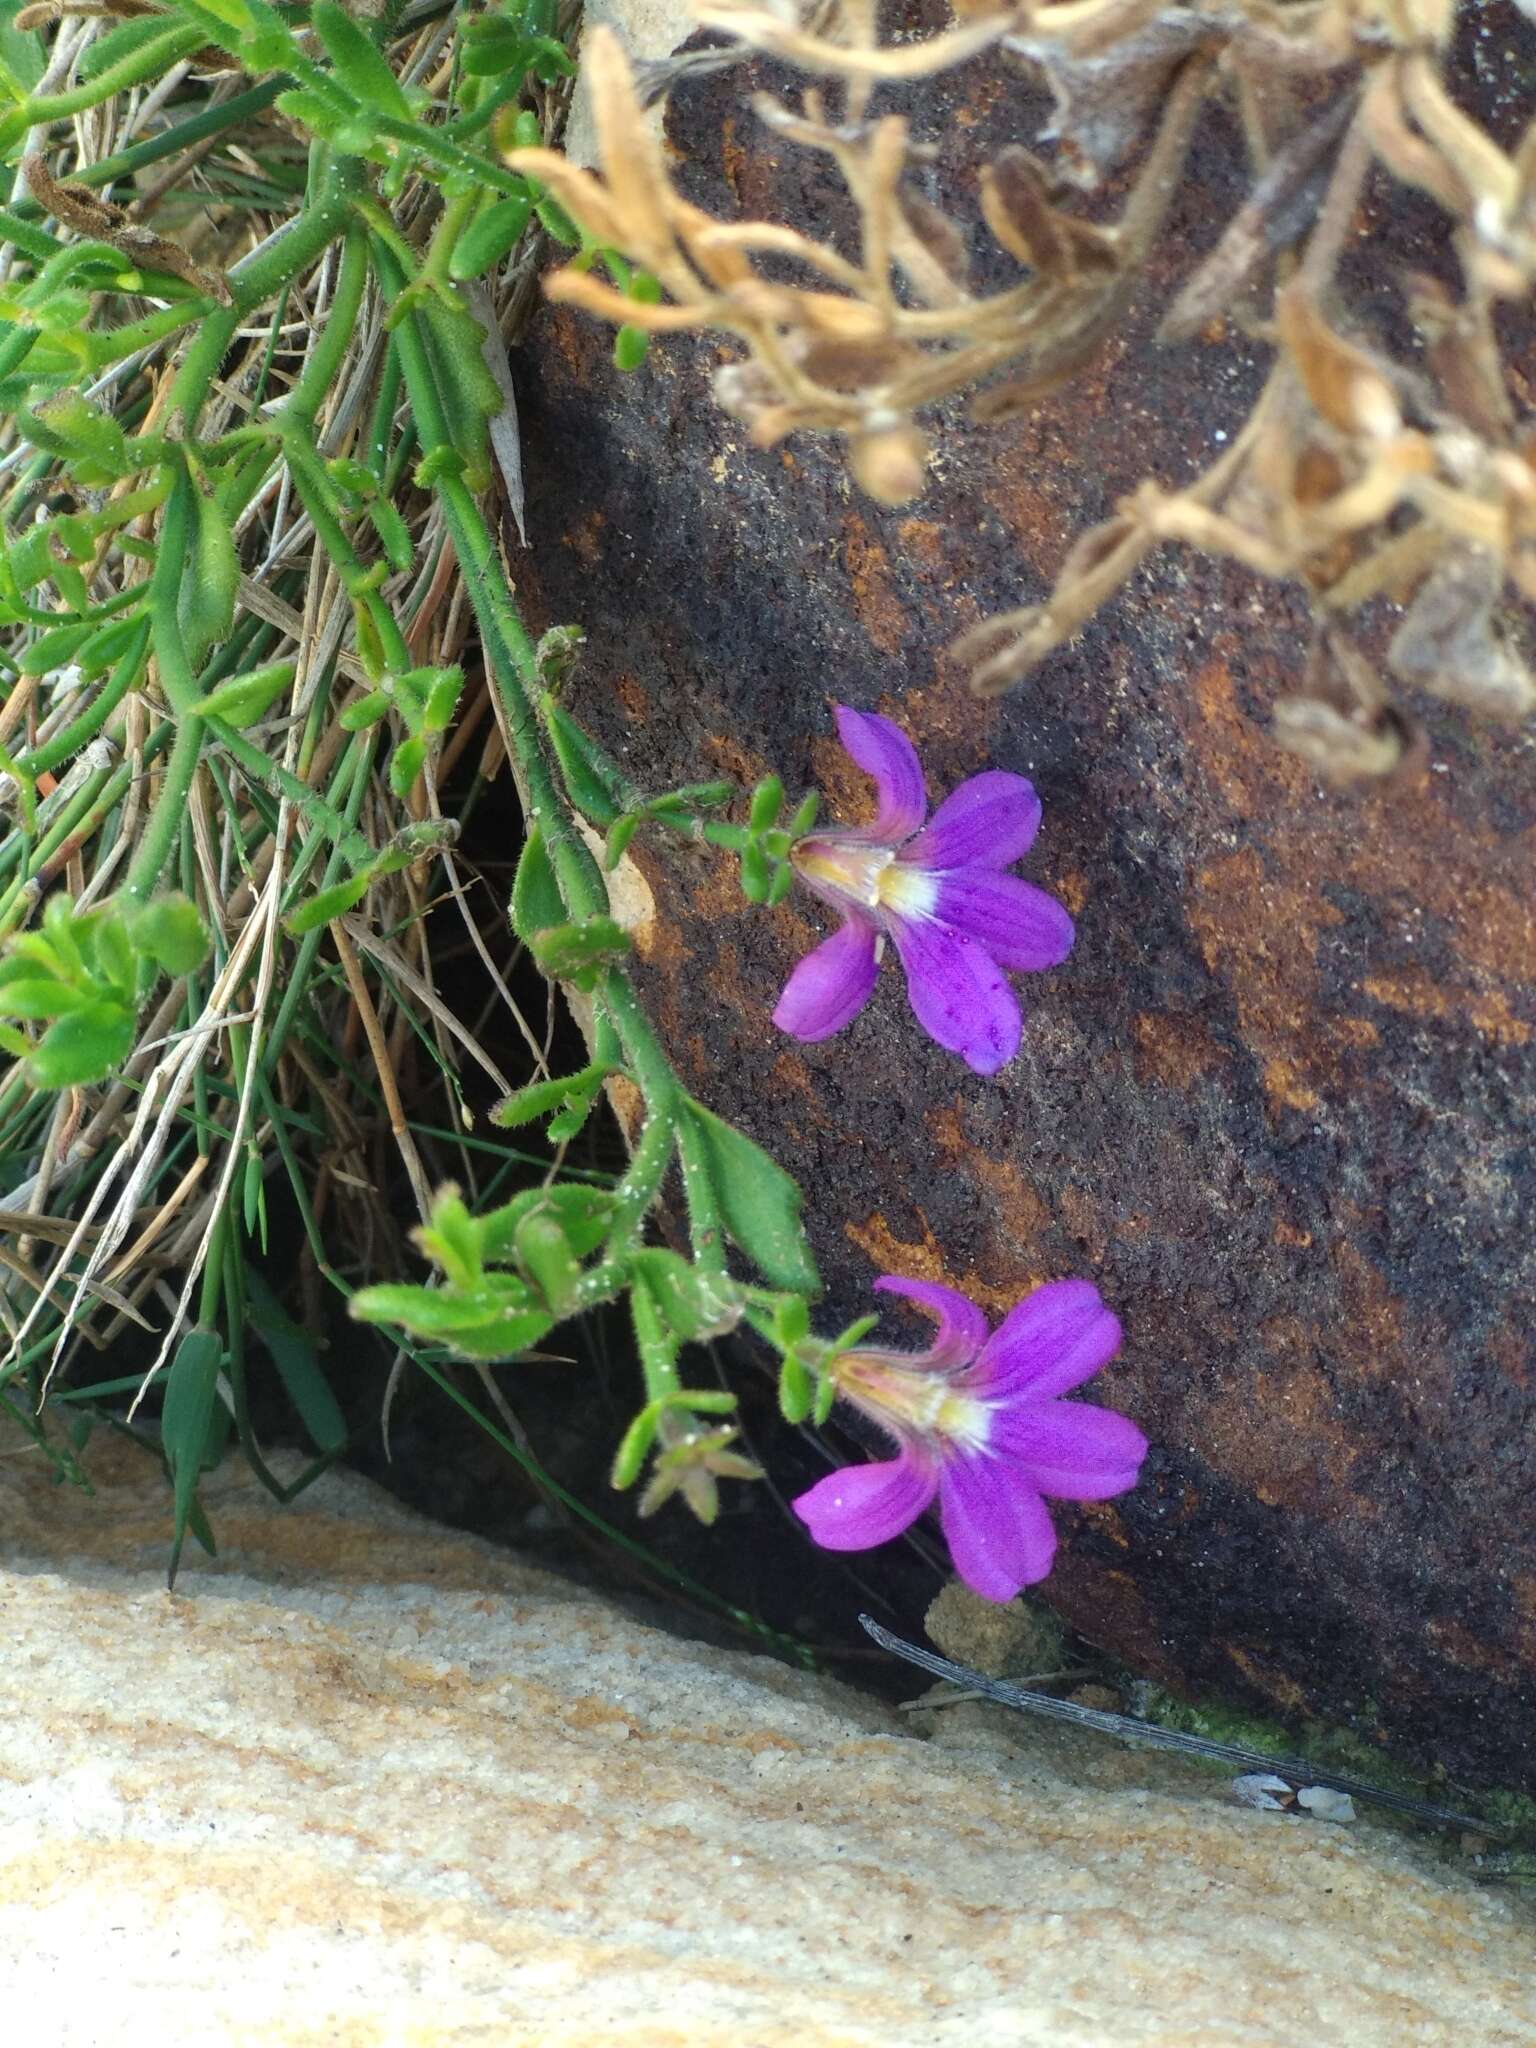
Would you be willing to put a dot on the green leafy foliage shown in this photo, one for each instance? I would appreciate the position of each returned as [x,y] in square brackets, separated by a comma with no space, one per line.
[81,977]
[516,39]
[221,594]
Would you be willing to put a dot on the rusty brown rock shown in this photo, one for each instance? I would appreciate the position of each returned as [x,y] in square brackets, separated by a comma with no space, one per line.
[1279,1102]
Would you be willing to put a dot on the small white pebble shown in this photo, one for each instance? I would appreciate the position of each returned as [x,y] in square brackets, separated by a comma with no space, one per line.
[1263,1790]
[1323,1803]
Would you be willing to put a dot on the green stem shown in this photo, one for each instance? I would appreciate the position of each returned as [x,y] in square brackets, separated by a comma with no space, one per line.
[66,743]
[230,113]
[148,61]
[323,366]
[311,805]
[303,964]
[510,660]
[641,1183]
[177,683]
[665,1097]
[256,278]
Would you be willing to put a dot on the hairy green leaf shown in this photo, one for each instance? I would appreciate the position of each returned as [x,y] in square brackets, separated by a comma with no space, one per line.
[759,1202]
[537,904]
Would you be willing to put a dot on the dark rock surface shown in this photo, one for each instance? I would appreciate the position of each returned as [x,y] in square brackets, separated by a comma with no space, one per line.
[1280,1103]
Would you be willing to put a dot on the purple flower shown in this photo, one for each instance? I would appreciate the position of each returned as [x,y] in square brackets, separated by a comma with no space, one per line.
[938,892]
[978,1423]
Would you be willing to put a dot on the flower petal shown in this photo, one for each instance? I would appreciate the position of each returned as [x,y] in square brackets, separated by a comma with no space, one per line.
[988,822]
[1022,927]
[1071,1449]
[958,993]
[862,1505]
[831,985]
[962,1327]
[997,1526]
[884,752]
[1055,1339]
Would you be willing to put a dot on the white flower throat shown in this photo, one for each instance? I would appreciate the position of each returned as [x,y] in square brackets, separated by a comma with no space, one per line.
[914,1402]
[870,876]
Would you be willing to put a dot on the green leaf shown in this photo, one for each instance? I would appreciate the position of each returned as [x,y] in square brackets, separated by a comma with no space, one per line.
[754,872]
[186,1422]
[791,1321]
[557,223]
[508,1319]
[297,1363]
[205,601]
[454,1240]
[405,764]
[620,833]
[83,1047]
[247,697]
[107,644]
[544,1098]
[631,346]
[583,1214]
[759,1202]
[364,711]
[54,648]
[571,1120]
[566,951]
[537,904]
[253,30]
[325,904]
[21,50]
[123,40]
[394,534]
[767,802]
[359,66]
[30,558]
[313,111]
[693,796]
[170,932]
[80,434]
[237,15]
[490,236]
[634,1447]
[544,1253]
[110,952]
[594,783]
[694,1303]
[40,996]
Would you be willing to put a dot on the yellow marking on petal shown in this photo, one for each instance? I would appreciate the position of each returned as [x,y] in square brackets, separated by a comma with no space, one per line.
[910,892]
[844,869]
[913,1402]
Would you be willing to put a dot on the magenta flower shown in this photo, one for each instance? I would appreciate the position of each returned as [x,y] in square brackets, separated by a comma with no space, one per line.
[978,1423]
[938,892]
